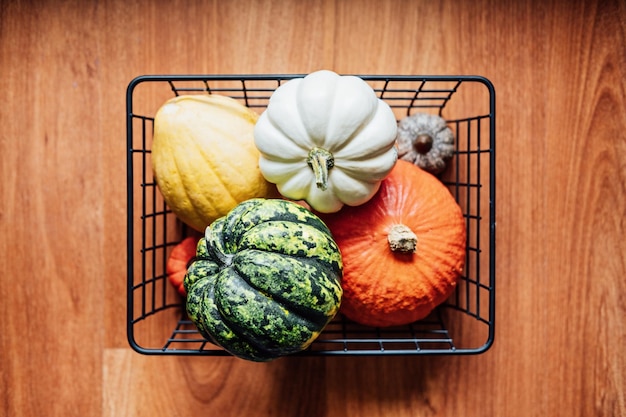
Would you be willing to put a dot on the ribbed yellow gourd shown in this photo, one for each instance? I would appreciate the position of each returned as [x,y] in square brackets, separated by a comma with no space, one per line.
[204,158]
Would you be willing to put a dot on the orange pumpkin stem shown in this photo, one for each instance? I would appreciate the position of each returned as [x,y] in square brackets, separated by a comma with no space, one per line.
[401,239]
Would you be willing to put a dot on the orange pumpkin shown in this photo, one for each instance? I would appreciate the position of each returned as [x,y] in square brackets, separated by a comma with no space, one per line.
[176,266]
[403,251]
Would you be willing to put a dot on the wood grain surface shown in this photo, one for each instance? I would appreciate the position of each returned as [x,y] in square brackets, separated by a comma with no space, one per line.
[559,69]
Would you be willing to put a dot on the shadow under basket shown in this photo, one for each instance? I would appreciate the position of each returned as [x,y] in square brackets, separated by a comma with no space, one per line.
[464,324]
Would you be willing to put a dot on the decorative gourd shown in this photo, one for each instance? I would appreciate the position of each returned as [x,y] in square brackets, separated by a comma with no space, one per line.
[177,262]
[204,158]
[403,250]
[326,139]
[266,280]
[426,141]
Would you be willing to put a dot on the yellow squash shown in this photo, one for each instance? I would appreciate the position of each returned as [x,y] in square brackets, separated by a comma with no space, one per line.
[204,158]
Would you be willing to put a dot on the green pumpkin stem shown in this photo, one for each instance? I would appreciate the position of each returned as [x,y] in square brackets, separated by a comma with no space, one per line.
[320,161]
[401,239]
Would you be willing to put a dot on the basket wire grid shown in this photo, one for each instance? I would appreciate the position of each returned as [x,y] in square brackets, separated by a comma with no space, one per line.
[465,324]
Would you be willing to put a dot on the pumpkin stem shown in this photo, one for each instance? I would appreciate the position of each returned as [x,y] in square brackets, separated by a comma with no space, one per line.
[401,239]
[423,143]
[320,161]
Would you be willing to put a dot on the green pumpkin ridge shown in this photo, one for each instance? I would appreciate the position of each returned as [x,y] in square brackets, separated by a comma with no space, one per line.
[202,251]
[232,225]
[216,248]
[277,337]
[292,239]
[304,286]
[258,317]
[197,271]
[261,211]
[210,322]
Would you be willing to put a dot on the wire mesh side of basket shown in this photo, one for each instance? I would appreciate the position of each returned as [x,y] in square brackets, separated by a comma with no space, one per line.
[153,229]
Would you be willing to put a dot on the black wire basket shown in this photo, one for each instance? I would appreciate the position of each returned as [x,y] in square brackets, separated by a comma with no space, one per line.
[464,324]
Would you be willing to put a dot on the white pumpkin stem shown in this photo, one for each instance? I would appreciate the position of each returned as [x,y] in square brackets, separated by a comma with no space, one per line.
[401,239]
[320,161]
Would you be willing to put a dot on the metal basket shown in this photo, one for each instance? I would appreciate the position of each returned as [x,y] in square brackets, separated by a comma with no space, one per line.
[464,324]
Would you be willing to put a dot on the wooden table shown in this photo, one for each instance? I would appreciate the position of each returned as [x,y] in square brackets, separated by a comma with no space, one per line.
[559,69]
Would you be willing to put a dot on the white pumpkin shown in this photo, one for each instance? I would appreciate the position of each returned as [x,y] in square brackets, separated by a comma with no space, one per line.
[326,139]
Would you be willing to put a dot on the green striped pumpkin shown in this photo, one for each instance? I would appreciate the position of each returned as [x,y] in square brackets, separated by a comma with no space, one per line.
[266,280]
